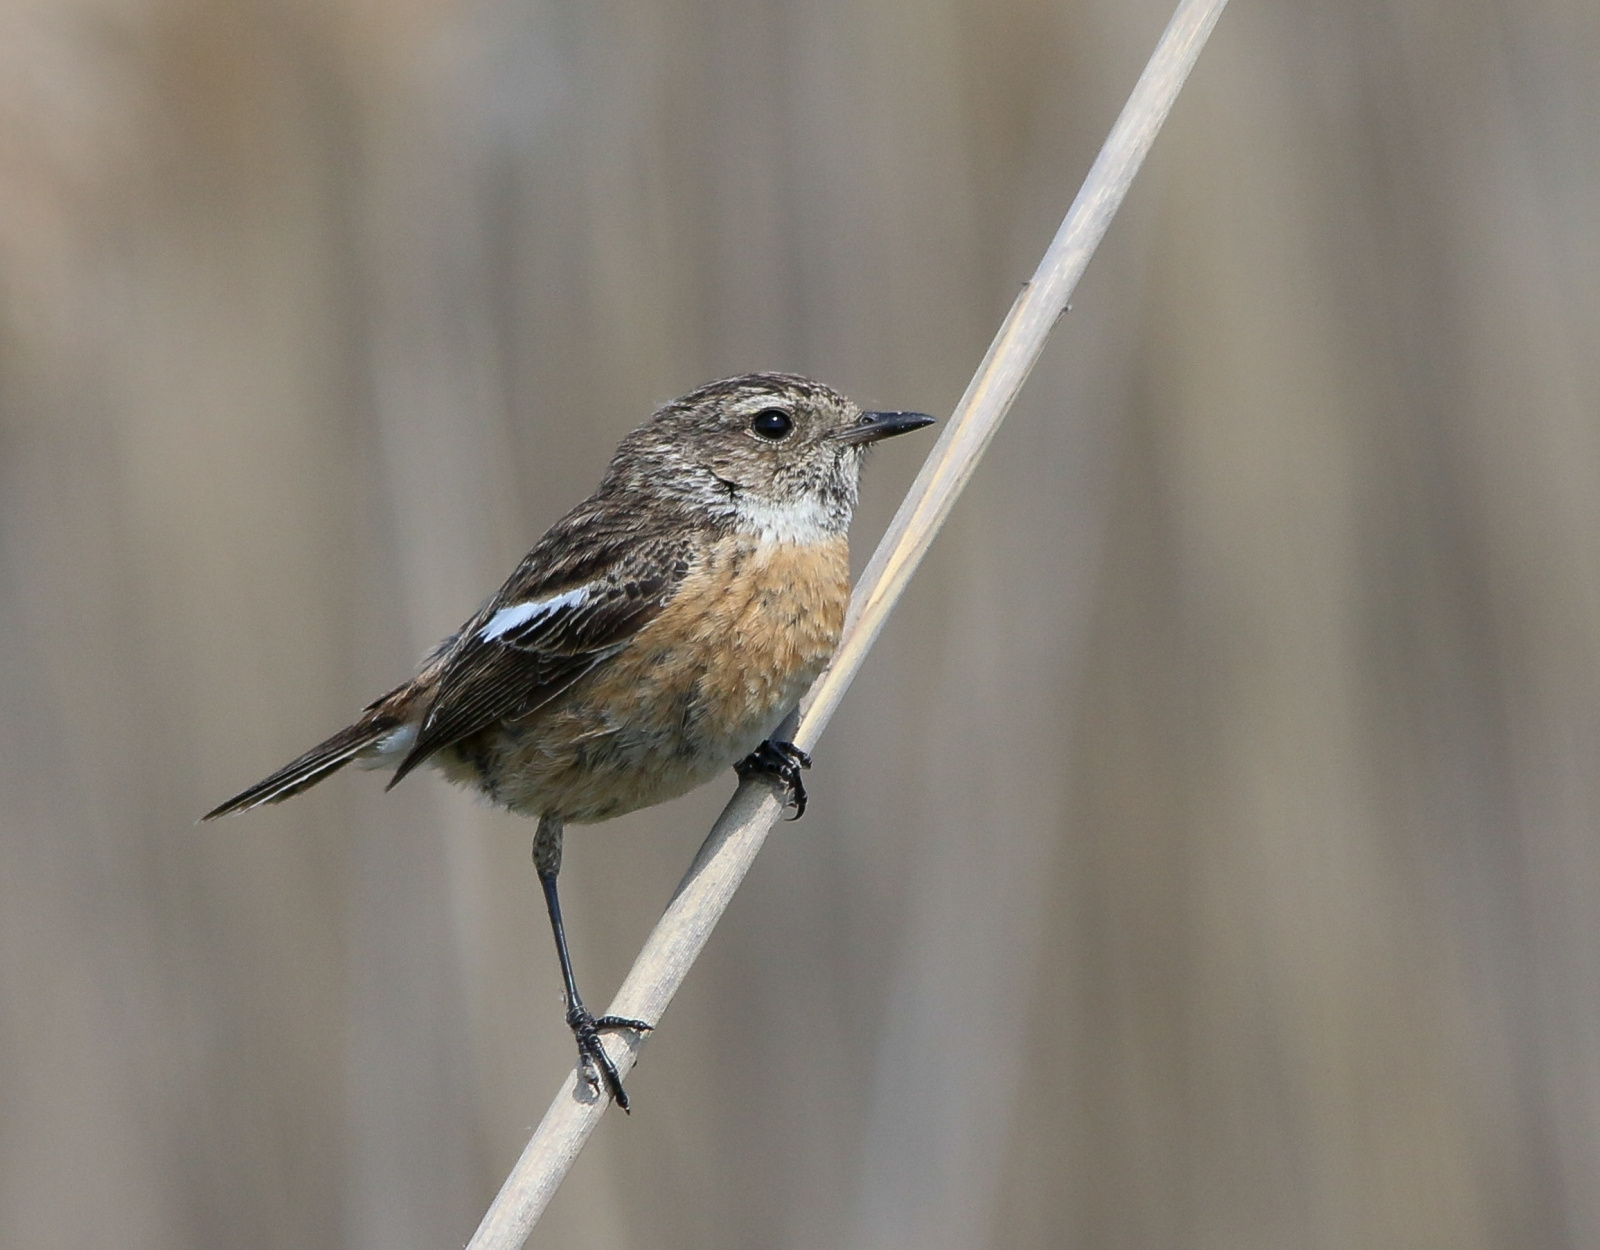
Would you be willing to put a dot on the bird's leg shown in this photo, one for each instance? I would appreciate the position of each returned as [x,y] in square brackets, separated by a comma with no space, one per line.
[784,761]
[585,1027]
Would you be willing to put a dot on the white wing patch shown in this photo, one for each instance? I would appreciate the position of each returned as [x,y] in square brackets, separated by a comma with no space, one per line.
[515,615]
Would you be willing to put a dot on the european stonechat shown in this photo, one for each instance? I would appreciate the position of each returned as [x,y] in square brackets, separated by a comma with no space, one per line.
[658,633]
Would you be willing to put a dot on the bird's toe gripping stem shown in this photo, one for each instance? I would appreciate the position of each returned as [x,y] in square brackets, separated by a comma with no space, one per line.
[597,1067]
[783,761]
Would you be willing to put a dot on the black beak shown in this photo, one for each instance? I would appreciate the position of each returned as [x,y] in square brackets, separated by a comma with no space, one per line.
[875,425]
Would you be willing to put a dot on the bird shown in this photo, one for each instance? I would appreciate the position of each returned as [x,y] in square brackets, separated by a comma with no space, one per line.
[656,634]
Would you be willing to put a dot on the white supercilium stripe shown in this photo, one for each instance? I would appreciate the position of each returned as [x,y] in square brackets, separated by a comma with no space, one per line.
[516,615]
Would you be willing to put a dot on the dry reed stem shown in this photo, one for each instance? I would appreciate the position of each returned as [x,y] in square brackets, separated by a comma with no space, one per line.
[731,846]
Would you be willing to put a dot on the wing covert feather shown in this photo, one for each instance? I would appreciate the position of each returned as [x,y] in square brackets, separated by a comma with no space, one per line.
[580,596]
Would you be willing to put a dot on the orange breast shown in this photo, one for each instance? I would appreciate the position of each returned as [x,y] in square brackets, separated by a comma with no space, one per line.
[754,635]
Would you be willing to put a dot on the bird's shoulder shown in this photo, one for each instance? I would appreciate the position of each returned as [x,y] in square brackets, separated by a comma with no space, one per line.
[597,577]
[596,574]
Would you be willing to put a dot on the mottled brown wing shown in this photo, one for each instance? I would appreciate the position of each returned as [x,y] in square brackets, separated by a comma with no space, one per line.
[576,601]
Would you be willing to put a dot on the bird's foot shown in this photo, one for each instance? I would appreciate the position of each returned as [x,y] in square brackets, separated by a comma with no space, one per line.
[593,1061]
[784,761]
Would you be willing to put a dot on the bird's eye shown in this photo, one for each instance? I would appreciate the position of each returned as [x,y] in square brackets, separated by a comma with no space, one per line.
[772,423]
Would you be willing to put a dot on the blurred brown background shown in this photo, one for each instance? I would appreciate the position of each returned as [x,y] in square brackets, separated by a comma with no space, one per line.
[1208,857]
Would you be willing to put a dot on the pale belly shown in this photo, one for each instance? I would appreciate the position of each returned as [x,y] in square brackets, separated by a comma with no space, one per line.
[695,691]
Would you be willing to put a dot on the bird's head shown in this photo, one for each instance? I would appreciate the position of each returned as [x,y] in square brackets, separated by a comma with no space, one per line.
[773,452]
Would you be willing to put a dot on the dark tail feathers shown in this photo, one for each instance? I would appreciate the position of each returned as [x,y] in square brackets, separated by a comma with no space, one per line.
[320,761]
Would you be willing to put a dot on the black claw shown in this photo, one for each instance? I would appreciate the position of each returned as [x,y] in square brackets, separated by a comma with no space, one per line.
[784,761]
[592,1055]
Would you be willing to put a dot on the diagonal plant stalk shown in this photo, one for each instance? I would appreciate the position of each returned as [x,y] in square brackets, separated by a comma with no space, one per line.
[731,846]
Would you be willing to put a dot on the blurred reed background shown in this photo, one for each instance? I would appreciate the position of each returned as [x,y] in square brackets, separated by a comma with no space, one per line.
[1208,856]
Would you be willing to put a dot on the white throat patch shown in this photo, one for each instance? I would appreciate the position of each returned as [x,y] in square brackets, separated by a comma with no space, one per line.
[802,522]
